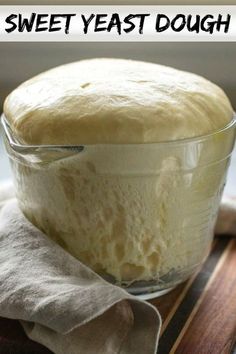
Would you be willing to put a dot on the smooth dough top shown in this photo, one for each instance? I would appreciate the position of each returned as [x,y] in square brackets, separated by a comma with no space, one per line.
[115,101]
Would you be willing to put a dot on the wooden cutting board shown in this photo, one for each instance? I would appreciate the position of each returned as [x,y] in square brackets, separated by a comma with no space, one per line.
[199,317]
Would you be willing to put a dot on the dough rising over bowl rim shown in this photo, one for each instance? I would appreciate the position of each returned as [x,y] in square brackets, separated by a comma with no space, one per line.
[139,103]
[24,148]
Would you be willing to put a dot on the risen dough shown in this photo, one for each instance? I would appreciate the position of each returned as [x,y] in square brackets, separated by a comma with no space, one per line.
[115,101]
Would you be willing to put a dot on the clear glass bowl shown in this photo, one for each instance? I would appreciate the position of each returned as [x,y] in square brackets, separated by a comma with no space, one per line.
[140,215]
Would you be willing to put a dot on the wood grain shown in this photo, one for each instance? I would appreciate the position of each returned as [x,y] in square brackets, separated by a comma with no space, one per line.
[213,328]
[204,320]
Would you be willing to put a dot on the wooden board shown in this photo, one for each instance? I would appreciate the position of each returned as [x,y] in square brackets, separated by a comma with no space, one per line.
[199,317]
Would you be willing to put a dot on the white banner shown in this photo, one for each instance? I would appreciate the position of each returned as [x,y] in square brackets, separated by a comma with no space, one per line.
[117,23]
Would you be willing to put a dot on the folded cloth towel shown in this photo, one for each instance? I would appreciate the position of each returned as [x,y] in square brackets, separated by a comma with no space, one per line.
[61,303]
[226,222]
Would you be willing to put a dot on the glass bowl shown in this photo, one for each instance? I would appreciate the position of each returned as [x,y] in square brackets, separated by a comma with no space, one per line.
[140,215]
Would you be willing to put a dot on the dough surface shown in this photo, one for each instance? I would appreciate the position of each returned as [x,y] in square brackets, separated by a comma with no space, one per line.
[115,101]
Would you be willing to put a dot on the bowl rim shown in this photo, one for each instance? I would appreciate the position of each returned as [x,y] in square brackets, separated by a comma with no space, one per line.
[28,148]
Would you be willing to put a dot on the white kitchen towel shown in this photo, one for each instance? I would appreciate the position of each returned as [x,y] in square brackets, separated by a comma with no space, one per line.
[61,303]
